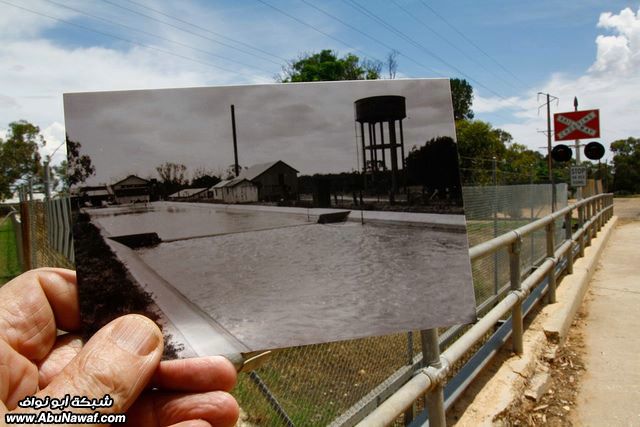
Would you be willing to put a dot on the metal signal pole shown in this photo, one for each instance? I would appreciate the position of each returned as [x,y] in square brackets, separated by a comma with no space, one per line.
[577,145]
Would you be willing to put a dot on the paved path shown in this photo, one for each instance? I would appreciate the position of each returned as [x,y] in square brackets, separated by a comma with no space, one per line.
[609,394]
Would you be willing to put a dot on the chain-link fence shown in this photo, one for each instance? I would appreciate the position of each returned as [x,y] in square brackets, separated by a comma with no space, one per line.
[338,383]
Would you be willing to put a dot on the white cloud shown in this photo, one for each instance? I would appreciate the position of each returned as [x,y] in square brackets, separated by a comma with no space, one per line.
[489,105]
[612,84]
[35,72]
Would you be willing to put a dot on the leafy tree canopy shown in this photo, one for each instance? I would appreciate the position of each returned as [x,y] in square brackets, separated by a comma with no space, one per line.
[462,96]
[479,143]
[327,66]
[19,156]
[626,165]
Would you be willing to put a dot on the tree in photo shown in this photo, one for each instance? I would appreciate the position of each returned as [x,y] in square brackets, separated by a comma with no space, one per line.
[78,166]
[19,157]
[434,166]
[203,178]
[172,173]
[327,66]
[173,177]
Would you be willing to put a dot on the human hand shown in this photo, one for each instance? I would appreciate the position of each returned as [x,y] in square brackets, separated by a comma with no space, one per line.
[122,359]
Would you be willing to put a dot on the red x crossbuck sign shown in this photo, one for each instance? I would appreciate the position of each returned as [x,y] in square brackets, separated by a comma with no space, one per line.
[576,125]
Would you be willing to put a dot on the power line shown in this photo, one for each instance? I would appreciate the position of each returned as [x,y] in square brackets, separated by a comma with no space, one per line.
[188,31]
[393,29]
[209,31]
[366,34]
[470,41]
[126,40]
[446,40]
[99,18]
[313,27]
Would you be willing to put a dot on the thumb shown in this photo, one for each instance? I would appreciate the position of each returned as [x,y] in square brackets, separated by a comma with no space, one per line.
[118,360]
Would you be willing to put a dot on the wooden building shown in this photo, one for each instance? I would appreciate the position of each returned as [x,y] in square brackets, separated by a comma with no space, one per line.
[275,180]
[132,189]
[237,190]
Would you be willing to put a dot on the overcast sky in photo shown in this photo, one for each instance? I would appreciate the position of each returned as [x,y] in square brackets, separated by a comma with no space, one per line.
[508,51]
[309,126]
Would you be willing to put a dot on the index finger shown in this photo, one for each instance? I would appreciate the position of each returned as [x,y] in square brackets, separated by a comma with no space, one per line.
[34,305]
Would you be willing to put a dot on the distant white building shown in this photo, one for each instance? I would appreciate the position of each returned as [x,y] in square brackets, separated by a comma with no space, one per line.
[237,190]
[191,194]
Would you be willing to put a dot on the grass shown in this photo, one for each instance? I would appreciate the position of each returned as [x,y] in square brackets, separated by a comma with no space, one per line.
[9,264]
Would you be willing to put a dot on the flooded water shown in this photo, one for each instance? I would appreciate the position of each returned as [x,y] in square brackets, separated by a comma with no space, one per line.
[172,221]
[316,283]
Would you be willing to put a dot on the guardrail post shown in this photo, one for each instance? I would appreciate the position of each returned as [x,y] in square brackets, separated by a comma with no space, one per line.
[580,225]
[568,234]
[611,204]
[594,213]
[434,400]
[516,311]
[587,231]
[550,231]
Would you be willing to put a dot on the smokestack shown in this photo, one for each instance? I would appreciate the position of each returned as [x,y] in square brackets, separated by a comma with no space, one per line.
[235,140]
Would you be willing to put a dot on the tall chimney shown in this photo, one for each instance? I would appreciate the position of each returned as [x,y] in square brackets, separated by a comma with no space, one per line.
[235,140]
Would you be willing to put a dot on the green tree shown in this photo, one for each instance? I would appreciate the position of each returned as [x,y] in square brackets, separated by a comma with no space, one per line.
[327,66]
[626,165]
[520,165]
[478,144]
[462,96]
[19,156]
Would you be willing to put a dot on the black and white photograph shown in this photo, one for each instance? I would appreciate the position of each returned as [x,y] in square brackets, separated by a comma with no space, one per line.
[246,218]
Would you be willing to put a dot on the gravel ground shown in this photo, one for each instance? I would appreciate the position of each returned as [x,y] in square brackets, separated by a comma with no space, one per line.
[565,368]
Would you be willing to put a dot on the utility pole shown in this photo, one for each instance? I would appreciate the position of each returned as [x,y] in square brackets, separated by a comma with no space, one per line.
[549,159]
[577,147]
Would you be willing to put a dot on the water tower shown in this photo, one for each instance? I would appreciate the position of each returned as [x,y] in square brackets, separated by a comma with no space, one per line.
[380,146]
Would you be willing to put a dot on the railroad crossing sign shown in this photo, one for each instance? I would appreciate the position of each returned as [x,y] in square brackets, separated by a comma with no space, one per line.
[578,176]
[576,125]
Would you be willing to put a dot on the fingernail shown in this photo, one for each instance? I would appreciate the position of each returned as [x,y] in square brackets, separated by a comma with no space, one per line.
[136,335]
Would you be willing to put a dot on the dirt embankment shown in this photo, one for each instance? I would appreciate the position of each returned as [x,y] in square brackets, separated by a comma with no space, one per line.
[105,288]
[565,368]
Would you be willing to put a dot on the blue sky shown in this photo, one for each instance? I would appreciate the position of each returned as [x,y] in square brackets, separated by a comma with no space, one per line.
[508,51]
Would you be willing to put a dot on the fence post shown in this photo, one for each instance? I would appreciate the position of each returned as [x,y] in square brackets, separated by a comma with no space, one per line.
[434,400]
[568,233]
[25,223]
[516,311]
[550,231]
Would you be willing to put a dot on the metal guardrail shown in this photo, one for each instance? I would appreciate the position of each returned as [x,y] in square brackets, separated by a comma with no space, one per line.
[592,214]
